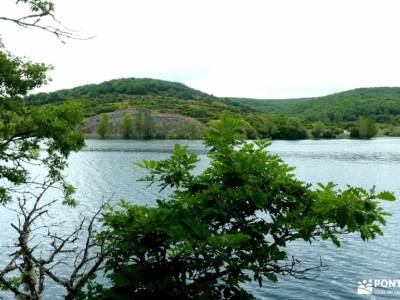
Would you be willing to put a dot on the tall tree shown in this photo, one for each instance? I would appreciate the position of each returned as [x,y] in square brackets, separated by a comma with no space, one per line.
[24,130]
[139,124]
[103,127]
[42,136]
[148,125]
[127,126]
[366,127]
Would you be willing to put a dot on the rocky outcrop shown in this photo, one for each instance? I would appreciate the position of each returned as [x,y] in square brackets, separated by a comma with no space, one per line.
[146,124]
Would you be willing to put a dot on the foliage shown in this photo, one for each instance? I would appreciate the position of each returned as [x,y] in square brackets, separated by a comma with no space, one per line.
[139,123]
[226,226]
[39,6]
[144,125]
[18,77]
[276,126]
[124,86]
[40,136]
[191,131]
[275,119]
[380,103]
[395,132]
[127,126]
[141,94]
[25,131]
[365,128]
[148,125]
[320,131]
[103,127]
[178,132]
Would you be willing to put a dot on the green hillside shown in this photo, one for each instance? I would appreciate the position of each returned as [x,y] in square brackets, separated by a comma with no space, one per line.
[124,86]
[174,110]
[383,104]
[142,93]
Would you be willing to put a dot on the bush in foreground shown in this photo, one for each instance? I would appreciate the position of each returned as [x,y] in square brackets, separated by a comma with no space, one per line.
[226,226]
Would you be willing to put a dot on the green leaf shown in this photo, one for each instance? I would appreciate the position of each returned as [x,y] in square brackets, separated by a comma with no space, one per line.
[388,196]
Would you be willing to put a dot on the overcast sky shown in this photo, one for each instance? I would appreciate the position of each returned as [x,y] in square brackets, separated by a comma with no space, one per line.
[242,48]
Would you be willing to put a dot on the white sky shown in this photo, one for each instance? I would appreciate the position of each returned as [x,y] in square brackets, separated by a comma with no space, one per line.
[253,48]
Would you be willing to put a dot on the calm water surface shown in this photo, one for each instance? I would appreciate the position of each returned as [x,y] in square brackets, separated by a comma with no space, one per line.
[107,169]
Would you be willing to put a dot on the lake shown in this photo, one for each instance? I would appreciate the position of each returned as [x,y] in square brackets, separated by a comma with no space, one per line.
[106,169]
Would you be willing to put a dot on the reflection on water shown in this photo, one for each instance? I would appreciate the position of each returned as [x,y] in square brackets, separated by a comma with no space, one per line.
[157,146]
[107,169]
[376,157]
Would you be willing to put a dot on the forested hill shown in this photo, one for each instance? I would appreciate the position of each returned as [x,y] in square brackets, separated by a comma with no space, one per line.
[154,108]
[124,86]
[382,103]
[144,93]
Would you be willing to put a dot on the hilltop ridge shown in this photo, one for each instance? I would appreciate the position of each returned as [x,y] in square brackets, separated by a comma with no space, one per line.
[383,103]
[126,86]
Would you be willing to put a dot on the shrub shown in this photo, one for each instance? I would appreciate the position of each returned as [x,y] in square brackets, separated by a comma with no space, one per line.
[226,226]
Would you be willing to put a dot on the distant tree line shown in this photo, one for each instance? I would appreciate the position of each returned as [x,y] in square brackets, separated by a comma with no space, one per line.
[142,125]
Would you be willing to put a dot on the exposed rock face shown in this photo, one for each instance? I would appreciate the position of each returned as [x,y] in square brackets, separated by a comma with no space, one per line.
[147,124]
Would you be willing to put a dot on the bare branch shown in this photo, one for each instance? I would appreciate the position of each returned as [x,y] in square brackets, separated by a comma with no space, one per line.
[35,21]
[86,258]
